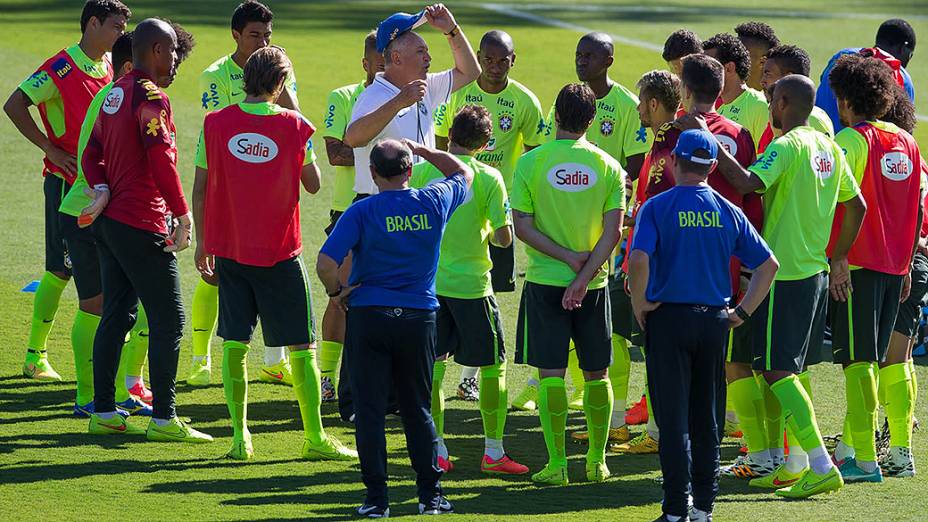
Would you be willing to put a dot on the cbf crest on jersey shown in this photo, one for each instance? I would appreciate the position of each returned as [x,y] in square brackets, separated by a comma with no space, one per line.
[606,127]
[505,121]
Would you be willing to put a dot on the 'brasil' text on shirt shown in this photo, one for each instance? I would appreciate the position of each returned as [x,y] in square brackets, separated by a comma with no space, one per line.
[412,223]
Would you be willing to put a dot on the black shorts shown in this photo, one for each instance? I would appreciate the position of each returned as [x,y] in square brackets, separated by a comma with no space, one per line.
[503,273]
[789,320]
[56,253]
[860,327]
[544,329]
[470,330]
[333,219]
[278,294]
[910,312]
[623,318]
[740,344]
[82,252]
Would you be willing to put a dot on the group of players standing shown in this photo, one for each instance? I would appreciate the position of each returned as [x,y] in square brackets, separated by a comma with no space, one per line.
[565,175]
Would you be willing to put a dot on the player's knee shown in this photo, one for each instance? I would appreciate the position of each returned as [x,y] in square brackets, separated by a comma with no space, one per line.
[595,375]
[302,347]
[64,276]
[210,279]
[92,305]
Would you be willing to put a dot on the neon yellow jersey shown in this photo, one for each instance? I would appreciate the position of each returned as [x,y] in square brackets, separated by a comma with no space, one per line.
[222,84]
[517,121]
[40,89]
[338,114]
[464,261]
[805,175]
[819,120]
[76,200]
[750,111]
[616,127]
[567,185]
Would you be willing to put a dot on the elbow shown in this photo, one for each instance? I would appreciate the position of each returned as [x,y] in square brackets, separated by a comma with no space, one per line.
[503,237]
[352,139]
[521,231]
[9,107]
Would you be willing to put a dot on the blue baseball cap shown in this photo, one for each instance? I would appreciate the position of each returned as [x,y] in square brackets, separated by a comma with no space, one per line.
[395,25]
[695,139]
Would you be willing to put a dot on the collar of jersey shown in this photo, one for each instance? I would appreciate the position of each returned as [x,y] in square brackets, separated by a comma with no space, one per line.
[83,61]
[380,79]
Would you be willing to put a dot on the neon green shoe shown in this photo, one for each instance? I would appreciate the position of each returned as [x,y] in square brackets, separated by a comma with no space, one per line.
[329,449]
[813,484]
[117,425]
[40,370]
[552,475]
[576,400]
[241,448]
[597,471]
[527,399]
[780,478]
[277,373]
[176,431]
[200,374]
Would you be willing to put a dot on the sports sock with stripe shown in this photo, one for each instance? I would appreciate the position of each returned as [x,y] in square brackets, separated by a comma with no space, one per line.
[800,416]
[860,391]
[573,369]
[748,402]
[274,355]
[438,398]
[618,376]
[132,359]
[44,309]
[330,352]
[493,401]
[773,416]
[468,372]
[235,384]
[203,316]
[845,446]
[306,385]
[82,333]
[552,411]
[597,406]
[911,364]
[896,381]
[798,459]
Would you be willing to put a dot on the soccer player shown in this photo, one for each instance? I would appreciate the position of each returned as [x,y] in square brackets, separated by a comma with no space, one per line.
[565,295]
[803,177]
[62,89]
[340,104]
[895,38]
[884,161]
[221,85]
[391,330]
[680,44]
[468,322]
[686,319]
[758,38]
[252,241]
[133,195]
[740,103]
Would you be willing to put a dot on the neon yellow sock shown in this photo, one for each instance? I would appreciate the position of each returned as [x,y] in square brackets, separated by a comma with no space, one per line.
[44,309]
[573,368]
[618,376]
[330,352]
[82,334]
[552,411]
[306,385]
[805,379]
[911,363]
[896,381]
[494,399]
[137,345]
[800,413]
[860,390]
[748,402]
[773,415]
[203,316]
[597,405]
[122,391]
[438,397]
[235,384]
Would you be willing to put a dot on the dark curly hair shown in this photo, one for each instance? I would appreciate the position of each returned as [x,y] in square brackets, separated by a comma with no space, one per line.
[791,59]
[472,127]
[902,111]
[663,86]
[680,43]
[865,83]
[758,32]
[730,49]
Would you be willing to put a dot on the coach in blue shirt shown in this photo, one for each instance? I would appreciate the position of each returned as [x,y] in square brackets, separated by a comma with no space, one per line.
[681,292]
[394,238]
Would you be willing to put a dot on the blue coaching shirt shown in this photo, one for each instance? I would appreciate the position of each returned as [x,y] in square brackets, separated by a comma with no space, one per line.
[690,234]
[394,238]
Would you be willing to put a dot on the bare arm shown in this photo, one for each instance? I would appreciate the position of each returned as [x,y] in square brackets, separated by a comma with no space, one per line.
[639,272]
[204,262]
[310,178]
[441,142]
[340,155]
[327,270]
[364,129]
[502,237]
[839,282]
[287,101]
[602,250]
[447,164]
[17,109]
[633,166]
[466,68]
[760,283]
[743,180]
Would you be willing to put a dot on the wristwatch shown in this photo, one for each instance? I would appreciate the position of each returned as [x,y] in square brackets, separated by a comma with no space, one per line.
[453,32]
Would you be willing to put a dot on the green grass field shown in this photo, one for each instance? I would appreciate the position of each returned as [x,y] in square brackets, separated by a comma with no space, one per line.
[51,470]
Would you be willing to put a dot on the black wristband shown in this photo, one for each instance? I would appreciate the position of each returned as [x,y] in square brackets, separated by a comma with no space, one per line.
[336,292]
[740,312]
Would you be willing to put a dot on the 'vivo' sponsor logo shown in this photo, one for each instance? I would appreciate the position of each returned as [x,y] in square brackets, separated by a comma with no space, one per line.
[253,148]
[571,177]
[896,166]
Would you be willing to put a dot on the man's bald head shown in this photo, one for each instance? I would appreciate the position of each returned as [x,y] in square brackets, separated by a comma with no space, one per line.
[498,39]
[593,57]
[147,34]
[601,42]
[792,100]
[390,158]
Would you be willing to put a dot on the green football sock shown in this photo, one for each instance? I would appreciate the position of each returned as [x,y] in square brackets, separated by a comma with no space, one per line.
[438,397]
[122,391]
[748,402]
[137,345]
[203,316]
[799,413]
[44,308]
[618,376]
[911,363]
[597,405]
[573,368]
[552,411]
[235,384]
[494,399]
[773,415]
[896,380]
[82,334]
[805,379]
[306,384]
[860,390]
[330,352]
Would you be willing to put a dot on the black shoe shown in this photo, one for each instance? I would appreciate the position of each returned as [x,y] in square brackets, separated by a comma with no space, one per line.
[437,506]
[372,511]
